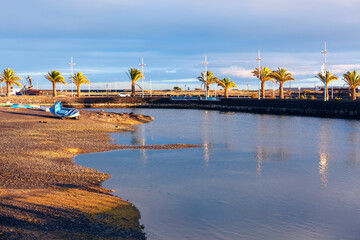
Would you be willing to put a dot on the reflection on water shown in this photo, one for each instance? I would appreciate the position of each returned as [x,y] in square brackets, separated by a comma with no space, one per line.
[206,139]
[257,176]
[324,152]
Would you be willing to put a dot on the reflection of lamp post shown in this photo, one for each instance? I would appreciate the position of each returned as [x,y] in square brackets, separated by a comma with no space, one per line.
[260,73]
[299,91]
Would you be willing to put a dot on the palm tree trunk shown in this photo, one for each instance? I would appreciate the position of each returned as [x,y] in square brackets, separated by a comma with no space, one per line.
[281,89]
[133,89]
[226,93]
[207,90]
[78,90]
[54,89]
[326,92]
[262,89]
[8,89]
[353,94]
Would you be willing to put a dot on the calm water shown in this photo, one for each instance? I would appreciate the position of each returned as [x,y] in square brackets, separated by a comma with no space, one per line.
[258,176]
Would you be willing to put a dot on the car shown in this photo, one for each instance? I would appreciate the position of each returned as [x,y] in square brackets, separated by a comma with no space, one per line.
[123,95]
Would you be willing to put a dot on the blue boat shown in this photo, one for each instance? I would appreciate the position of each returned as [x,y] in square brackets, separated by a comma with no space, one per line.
[61,112]
[24,106]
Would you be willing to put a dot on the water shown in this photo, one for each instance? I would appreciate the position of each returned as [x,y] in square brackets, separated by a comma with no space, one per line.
[257,176]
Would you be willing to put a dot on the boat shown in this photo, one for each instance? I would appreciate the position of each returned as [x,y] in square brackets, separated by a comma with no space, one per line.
[24,106]
[45,108]
[61,112]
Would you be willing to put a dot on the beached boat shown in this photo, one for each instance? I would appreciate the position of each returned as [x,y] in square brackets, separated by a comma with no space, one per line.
[61,112]
[45,108]
[24,106]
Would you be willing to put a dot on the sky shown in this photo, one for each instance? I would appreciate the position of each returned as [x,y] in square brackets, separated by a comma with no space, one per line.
[108,37]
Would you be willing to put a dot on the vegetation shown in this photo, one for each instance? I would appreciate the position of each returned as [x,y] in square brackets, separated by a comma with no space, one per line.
[352,79]
[282,76]
[313,98]
[208,79]
[307,91]
[326,79]
[176,88]
[265,75]
[55,77]
[254,95]
[79,78]
[10,78]
[303,97]
[226,84]
[134,75]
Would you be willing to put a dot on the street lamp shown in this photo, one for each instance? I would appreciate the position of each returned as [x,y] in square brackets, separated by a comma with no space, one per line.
[72,64]
[324,71]
[260,72]
[299,91]
[142,71]
[205,77]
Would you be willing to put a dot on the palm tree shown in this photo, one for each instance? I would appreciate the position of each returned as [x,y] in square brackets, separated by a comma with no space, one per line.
[79,78]
[207,80]
[55,77]
[282,76]
[265,75]
[226,84]
[134,75]
[326,79]
[353,80]
[10,78]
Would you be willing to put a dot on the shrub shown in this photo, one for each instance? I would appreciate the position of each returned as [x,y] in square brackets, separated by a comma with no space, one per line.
[312,97]
[338,99]
[254,95]
[177,89]
[303,97]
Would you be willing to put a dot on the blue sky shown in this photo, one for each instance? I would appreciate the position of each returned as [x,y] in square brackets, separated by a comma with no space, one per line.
[108,37]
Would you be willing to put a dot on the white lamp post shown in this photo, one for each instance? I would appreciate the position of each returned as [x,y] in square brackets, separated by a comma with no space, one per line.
[205,77]
[72,64]
[260,73]
[142,71]
[324,70]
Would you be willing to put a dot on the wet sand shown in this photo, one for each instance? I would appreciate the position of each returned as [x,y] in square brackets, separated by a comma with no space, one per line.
[44,194]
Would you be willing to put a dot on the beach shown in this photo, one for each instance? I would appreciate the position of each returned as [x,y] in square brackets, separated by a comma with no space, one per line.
[44,194]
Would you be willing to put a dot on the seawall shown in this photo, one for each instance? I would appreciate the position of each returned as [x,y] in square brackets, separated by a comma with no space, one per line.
[314,108]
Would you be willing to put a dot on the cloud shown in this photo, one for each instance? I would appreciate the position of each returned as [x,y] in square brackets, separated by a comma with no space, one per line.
[235,71]
[343,68]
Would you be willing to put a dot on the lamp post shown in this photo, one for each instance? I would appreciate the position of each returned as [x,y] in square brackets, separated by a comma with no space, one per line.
[324,71]
[150,88]
[142,71]
[260,72]
[72,64]
[205,77]
[299,91]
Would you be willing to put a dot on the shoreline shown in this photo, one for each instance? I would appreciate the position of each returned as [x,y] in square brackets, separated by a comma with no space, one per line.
[293,107]
[44,194]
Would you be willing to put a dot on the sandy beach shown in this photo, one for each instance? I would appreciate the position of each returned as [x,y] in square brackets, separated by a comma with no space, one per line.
[44,194]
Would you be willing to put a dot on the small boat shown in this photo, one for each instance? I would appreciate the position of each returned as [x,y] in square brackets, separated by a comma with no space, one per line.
[24,106]
[61,112]
[45,108]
